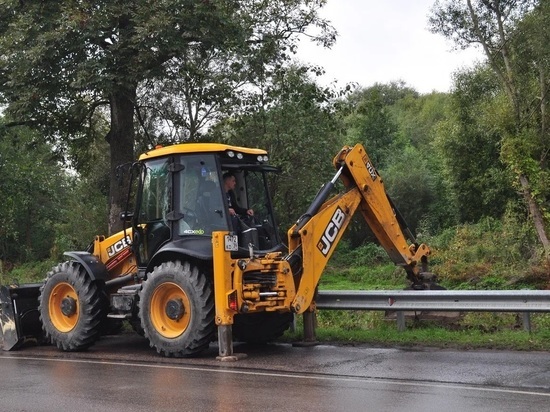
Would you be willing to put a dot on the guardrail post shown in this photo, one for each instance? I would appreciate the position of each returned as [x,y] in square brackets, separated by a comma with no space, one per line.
[527,321]
[309,326]
[401,325]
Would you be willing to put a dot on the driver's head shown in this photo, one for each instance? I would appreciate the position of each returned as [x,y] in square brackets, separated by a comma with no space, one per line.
[229,181]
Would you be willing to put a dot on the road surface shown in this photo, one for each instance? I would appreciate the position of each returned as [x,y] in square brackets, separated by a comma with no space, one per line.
[121,373]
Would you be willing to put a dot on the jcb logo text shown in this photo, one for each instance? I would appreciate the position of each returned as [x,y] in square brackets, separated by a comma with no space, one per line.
[118,246]
[372,170]
[331,231]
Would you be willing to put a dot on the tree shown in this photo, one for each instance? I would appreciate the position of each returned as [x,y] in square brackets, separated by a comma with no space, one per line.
[497,27]
[370,120]
[417,116]
[467,143]
[414,175]
[64,61]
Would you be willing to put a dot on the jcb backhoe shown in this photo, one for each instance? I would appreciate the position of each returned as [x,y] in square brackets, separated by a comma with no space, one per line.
[184,266]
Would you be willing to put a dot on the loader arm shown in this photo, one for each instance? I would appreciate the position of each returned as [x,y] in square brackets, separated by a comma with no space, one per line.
[314,237]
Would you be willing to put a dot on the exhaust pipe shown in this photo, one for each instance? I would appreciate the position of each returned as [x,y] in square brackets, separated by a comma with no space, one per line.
[19,316]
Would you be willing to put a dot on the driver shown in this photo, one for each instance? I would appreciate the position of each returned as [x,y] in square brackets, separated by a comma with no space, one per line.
[229,183]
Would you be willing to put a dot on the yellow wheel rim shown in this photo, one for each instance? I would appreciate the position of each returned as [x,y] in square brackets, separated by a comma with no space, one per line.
[170,310]
[63,307]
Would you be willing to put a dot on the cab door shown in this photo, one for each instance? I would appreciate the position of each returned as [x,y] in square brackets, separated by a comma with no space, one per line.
[152,228]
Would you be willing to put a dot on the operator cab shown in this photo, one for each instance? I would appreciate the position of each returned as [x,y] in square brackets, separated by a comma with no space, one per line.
[181,200]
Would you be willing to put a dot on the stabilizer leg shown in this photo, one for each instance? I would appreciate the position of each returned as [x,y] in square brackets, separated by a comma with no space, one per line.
[225,342]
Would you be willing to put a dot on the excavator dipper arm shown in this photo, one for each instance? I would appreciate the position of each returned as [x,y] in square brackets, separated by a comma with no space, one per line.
[313,238]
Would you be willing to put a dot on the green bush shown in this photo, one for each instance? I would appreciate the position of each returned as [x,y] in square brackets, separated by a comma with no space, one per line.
[491,254]
[369,254]
[31,272]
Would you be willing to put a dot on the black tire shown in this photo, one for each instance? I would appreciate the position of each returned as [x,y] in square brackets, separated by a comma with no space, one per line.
[72,307]
[261,327]
[176,308]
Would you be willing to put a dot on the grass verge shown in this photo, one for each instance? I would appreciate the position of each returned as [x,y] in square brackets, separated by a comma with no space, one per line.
[469,331]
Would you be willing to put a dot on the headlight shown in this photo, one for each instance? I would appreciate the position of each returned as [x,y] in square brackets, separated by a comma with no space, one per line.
[230,154]
[239,156]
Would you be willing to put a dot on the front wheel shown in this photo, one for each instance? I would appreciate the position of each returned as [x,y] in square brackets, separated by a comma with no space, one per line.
[176,308]
[72,307]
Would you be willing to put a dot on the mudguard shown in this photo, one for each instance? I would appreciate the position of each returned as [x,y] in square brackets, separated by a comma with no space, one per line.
[19,316]
[95,268]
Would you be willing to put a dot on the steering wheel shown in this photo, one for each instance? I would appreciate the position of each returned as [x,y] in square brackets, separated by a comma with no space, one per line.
[248,220]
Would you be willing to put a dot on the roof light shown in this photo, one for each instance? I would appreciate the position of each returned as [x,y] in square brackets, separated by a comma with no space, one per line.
[231,154]
[239,156]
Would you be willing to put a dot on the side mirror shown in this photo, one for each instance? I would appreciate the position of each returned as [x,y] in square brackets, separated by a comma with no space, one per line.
[126,216]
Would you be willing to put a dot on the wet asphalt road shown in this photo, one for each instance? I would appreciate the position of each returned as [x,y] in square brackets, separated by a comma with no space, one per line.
[121,373]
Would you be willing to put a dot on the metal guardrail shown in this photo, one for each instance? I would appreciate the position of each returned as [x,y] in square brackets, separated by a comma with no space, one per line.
[436,300]
[401,301]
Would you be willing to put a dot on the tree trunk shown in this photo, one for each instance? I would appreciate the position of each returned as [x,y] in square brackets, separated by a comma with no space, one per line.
[536,215]
[543,102]
[121,141]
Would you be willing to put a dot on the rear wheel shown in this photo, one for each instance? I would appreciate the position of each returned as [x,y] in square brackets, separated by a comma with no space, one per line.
[176,308]
[261,327]
[72,307]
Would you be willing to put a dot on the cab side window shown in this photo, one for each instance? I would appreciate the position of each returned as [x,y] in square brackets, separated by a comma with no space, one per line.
[200,196]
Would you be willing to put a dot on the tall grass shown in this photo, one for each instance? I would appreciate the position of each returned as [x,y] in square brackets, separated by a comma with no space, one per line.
[491,254]
[30,272]
[364,268]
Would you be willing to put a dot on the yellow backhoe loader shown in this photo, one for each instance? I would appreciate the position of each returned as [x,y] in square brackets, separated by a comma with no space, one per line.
[185,270]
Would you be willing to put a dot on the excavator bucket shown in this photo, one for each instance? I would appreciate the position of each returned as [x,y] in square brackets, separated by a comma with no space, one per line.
[19,316]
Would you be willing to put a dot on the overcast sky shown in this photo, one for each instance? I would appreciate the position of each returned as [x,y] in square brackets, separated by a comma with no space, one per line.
[386,40]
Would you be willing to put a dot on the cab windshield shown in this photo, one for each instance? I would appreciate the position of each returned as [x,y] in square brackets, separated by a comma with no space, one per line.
[199,199]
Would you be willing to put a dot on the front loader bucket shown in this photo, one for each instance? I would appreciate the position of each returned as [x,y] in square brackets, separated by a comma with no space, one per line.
[19,316]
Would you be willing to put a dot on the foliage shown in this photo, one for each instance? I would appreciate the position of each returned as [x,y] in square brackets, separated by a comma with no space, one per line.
[397,126]
[512,35]
[370,122]
[46,210]
[33,188]
[491,254]
[364,267]
[82,217]
[373,277]
[31,272]
[477,21]
[368,254]
[417,117]
[415,189]
[467,142]
[394,123]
